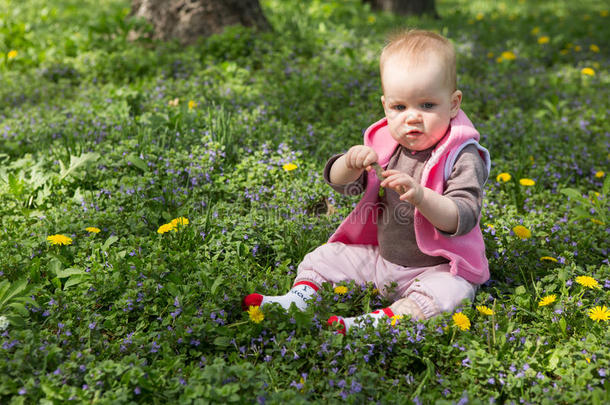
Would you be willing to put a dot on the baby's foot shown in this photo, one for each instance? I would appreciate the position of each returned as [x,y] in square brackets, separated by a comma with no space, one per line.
[299,294]
[347,323]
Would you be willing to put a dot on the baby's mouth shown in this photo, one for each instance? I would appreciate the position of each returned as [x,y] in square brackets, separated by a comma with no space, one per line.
[413,133]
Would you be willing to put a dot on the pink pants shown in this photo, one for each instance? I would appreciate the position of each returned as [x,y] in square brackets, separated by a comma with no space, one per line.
[422,292]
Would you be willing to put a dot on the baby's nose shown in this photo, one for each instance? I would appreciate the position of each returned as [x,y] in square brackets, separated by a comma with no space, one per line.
[411,117]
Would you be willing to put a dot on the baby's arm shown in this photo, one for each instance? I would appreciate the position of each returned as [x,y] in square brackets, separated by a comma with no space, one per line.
[441,211]
[349,167]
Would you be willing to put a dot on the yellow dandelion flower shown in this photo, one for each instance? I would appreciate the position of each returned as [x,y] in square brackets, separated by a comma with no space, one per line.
[289,167]
[543,40]
[503,177]
[599,313]
[603,13]
[499,59]
[549,299]
[564,52]
[371,19]
[548,259]
[92,229]
[395,319]
[588,71]
[490,55]
[527,182]
[192,104]
[522,232]
[490,226]
[597,221]
[587,281]
[485,310]
[599,174]
[508,55]
[461,321]
[341,290]
[375,291]
[577,48]
[479,16]
[535,30]
[166,228]
[255,313]
[59,239]
[12,54]
[594,48]
[179,221]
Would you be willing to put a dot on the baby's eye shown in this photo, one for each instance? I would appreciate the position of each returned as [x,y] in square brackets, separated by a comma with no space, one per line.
[399,107]
[428,106]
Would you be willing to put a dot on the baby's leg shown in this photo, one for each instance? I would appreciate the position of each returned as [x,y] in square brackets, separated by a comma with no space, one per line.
[331,262]
[434,291]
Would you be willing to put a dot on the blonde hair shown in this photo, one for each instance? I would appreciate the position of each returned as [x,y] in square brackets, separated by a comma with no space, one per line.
[418,45]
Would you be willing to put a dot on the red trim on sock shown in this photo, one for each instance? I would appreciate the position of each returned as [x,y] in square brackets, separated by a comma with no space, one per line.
[308,283]
[251,300]
[338,319]
[388,312]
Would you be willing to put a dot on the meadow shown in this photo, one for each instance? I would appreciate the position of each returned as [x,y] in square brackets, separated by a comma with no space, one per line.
[146,187]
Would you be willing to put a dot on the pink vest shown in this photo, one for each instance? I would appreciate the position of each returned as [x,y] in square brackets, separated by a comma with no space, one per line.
[466,253]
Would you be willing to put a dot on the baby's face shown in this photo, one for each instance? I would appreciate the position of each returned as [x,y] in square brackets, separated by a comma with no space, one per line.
[418,101]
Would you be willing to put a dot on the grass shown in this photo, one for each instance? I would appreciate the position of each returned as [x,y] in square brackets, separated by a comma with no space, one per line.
[97,131]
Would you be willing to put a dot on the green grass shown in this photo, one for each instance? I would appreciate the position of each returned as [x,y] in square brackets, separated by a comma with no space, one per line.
[89,138]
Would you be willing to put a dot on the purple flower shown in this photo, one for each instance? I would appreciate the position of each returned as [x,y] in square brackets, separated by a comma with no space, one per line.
[602,372]
[137,390]
[22,391]
[92,325]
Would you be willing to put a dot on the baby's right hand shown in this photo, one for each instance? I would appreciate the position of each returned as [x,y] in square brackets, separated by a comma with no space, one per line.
[360,157]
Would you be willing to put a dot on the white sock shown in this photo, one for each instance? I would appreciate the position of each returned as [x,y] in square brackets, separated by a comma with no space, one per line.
[358,321]
[299,294]
[375,316]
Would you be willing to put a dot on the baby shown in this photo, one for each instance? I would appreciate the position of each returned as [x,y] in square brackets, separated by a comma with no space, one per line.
[418,223]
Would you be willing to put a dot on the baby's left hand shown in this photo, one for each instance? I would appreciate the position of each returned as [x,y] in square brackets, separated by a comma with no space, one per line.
[405,185]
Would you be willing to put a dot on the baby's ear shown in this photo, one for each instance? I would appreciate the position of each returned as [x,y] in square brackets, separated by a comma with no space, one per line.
[456,101]
[383,101]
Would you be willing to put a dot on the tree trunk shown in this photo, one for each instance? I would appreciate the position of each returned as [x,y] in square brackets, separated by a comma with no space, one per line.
[405,7]
[187,20]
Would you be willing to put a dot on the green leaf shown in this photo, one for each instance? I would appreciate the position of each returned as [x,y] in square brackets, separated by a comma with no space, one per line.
[563,325]
[76,162]
[70,272]
[216,284]
[520,290]
[75,280]
[109,242]
[222,341]
[573,194]
[14,290]
[19,308]
[137,162]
